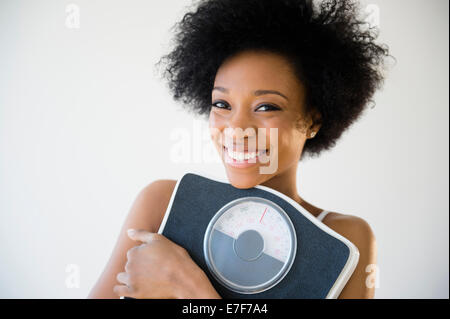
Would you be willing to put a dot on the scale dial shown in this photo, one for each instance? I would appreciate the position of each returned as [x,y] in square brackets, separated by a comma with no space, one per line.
[250,245]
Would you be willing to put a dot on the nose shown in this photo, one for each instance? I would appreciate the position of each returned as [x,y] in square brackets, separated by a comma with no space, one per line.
[240,126]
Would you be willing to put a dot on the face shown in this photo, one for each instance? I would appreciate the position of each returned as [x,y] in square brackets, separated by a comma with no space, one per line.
[248,115]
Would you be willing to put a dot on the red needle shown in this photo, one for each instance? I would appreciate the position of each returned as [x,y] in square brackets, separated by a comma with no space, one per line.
[263,215]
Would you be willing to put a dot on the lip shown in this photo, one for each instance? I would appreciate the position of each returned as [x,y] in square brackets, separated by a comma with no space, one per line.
[238,164]
[244,149]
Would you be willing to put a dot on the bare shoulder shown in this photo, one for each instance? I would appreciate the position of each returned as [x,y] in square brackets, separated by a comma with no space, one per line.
[354,228]
[359,232]
[155,198]
[161,187]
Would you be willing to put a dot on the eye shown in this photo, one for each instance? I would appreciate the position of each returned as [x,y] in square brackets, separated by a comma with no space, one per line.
[220,105]
[261,108]
[268,108]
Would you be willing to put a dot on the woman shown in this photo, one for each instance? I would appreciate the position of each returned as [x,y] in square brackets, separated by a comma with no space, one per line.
[308,71]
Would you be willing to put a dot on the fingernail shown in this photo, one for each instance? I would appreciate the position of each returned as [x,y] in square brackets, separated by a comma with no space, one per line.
[131,231]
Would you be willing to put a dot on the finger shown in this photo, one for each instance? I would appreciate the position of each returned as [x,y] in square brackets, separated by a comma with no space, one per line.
[142,235]
[132,251]
[123,291]
[123,278]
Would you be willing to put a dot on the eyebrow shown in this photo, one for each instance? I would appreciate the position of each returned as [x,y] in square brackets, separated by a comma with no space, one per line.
[256,93]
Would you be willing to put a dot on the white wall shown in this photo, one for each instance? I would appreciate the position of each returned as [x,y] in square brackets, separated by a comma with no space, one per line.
[85,124]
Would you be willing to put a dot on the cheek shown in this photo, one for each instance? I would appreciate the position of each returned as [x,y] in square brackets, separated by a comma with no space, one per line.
[215,120]
[214,129]
[289,141]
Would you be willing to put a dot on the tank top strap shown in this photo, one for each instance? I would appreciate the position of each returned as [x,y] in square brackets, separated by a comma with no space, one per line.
[322,215]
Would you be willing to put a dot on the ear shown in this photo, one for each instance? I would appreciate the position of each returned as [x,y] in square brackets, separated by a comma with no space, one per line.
[315,121]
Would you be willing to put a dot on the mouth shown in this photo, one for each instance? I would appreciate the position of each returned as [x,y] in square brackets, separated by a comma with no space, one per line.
[243,159]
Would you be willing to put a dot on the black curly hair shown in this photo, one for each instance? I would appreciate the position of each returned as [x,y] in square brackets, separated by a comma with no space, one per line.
[332,51]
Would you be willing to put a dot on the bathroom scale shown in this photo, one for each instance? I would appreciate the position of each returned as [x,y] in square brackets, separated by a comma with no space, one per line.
[256,243]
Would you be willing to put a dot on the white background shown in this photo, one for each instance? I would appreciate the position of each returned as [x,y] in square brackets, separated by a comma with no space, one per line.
[85,124]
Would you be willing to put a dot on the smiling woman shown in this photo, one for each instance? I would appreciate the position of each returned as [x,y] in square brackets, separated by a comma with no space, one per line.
[325,46]
[302,71]
[242,75]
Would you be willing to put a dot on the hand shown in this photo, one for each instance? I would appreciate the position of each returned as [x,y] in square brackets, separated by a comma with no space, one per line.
[161,269]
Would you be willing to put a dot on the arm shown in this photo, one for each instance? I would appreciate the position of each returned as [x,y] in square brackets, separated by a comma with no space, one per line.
[358,231]
[161,269]
[147,213]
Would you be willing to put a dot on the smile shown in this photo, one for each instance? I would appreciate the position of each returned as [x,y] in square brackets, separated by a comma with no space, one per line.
[246,158]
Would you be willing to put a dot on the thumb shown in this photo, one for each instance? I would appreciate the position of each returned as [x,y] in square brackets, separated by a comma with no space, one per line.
[141,235]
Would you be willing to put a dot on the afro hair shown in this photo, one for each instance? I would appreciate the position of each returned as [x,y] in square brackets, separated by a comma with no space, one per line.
[332,51]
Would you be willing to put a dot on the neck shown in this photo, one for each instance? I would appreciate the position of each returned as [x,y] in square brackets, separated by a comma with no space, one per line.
[286,183]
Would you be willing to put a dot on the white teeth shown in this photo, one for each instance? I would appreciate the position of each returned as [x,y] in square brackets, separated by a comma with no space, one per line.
[239,156]
[250,155]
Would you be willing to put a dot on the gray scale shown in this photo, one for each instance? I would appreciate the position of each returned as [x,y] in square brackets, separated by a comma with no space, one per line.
[259,254]
[312,262]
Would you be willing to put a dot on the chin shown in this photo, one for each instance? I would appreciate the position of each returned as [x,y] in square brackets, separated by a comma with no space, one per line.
[245,180]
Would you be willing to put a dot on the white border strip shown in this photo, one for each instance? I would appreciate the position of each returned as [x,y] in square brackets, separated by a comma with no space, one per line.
[352,261]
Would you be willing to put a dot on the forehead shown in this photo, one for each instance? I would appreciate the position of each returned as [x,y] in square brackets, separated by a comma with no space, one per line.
[255,70]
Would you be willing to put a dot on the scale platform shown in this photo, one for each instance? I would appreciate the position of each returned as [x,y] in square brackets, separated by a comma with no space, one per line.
[256,243]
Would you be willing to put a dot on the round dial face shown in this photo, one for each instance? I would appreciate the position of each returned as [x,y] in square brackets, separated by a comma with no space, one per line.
[250,245]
